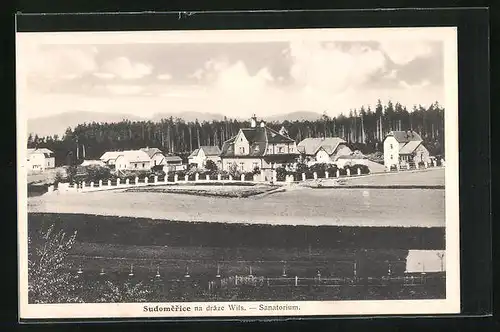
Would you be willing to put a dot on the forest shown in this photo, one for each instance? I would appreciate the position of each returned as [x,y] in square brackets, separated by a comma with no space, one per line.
[364,129]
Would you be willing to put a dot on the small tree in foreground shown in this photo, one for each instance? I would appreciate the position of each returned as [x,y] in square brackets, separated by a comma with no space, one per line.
[49,278]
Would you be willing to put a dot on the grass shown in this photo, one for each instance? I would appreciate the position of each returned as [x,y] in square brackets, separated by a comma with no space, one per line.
[429,177]
[150,232]
[229,191]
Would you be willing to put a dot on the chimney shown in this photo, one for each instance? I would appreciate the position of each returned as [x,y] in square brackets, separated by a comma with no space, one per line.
[253,121]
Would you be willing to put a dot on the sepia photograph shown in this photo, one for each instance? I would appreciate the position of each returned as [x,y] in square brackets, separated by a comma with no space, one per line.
[237,173]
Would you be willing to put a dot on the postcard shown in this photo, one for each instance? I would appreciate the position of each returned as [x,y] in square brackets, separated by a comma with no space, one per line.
[238,173]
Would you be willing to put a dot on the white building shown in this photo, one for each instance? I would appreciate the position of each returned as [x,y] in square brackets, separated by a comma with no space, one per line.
[109,158]
[155,155]
[133,160]
[323,150]
[41,159]
[200,156]
[402,147]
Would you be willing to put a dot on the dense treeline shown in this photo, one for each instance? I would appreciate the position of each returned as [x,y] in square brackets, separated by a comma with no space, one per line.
[363,128]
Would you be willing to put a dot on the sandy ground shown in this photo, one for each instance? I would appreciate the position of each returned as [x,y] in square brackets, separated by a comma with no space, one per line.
[296,206]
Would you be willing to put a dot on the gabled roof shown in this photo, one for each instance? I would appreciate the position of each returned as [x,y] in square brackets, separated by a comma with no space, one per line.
[46,152]
[258,138]
[110,155]
[310,146]
[409,147]
[405,136]
[210,150]
[151,151]
[135,156]
[194,153]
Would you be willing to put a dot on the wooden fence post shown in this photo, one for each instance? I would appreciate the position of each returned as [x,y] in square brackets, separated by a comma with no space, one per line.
[326,174]
[100,183]
[348,172]
[315,175]
[127,181]
[219,177]
[109,183]
[359,171]
[156,178]
[186,177]
[176,177]
[207,177]
[338,173]
[242,177]
[196,176]
[136,180]
[146,179]
[303,176]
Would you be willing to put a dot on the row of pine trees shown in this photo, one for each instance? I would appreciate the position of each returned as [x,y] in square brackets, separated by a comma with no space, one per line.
[364,129]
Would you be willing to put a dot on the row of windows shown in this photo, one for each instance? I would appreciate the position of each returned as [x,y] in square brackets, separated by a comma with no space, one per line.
[135,165]
[269,150]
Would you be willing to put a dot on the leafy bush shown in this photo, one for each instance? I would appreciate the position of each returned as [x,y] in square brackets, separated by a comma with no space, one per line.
[48,278]
[249,176]
[256,170]
[233,171]
[394,168]
[180,174]
[211,166]
[281,173]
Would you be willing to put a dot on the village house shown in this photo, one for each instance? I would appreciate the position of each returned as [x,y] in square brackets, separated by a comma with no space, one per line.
[402,147]
[323,150]
[40,159]
[109,158]
[155,155]
[173,163]
[200,156]
[133,160]
[258,147]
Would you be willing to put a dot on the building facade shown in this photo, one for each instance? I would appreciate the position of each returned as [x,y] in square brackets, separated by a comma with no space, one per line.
[258,147]
[156,157]
[402,147]
[200,156]
[40,159]
[323,150]
[133,160]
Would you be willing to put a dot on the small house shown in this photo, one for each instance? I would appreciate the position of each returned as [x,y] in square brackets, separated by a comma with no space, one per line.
[109,158]
[323,150]
[133,160]
[40,159]
[172,164]
[200,156]
[401,147]
[155,155]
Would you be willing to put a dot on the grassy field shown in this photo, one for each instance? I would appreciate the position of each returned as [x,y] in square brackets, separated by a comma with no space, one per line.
[229,191]
[428,177]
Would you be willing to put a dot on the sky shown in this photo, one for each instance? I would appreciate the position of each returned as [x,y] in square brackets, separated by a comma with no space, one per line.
[226,73]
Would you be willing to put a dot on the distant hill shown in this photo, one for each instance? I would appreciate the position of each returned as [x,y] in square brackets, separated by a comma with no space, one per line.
[294,116]
[57,124]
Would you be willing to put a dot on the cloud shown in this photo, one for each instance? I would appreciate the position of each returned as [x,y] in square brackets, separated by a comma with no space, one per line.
[422,84]
[55,63]
[164,77]
[104,75]
[402,52]
[332,69]
[122,89]
[123,68]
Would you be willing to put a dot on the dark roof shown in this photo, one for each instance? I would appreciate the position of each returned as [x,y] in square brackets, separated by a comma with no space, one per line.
[258,138]
[405,136]
[210,150]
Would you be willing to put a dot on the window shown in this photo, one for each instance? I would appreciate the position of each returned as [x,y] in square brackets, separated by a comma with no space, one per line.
[392,157]
[392,147]
[143,165]
[241,139]
[291,149]
[280,149]
[242,149]
[270,150]
[242,166]
[135,165]
[255,165]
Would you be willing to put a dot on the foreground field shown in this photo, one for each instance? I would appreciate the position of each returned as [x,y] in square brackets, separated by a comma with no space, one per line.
[429,177]
[296,206]
[229,191]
